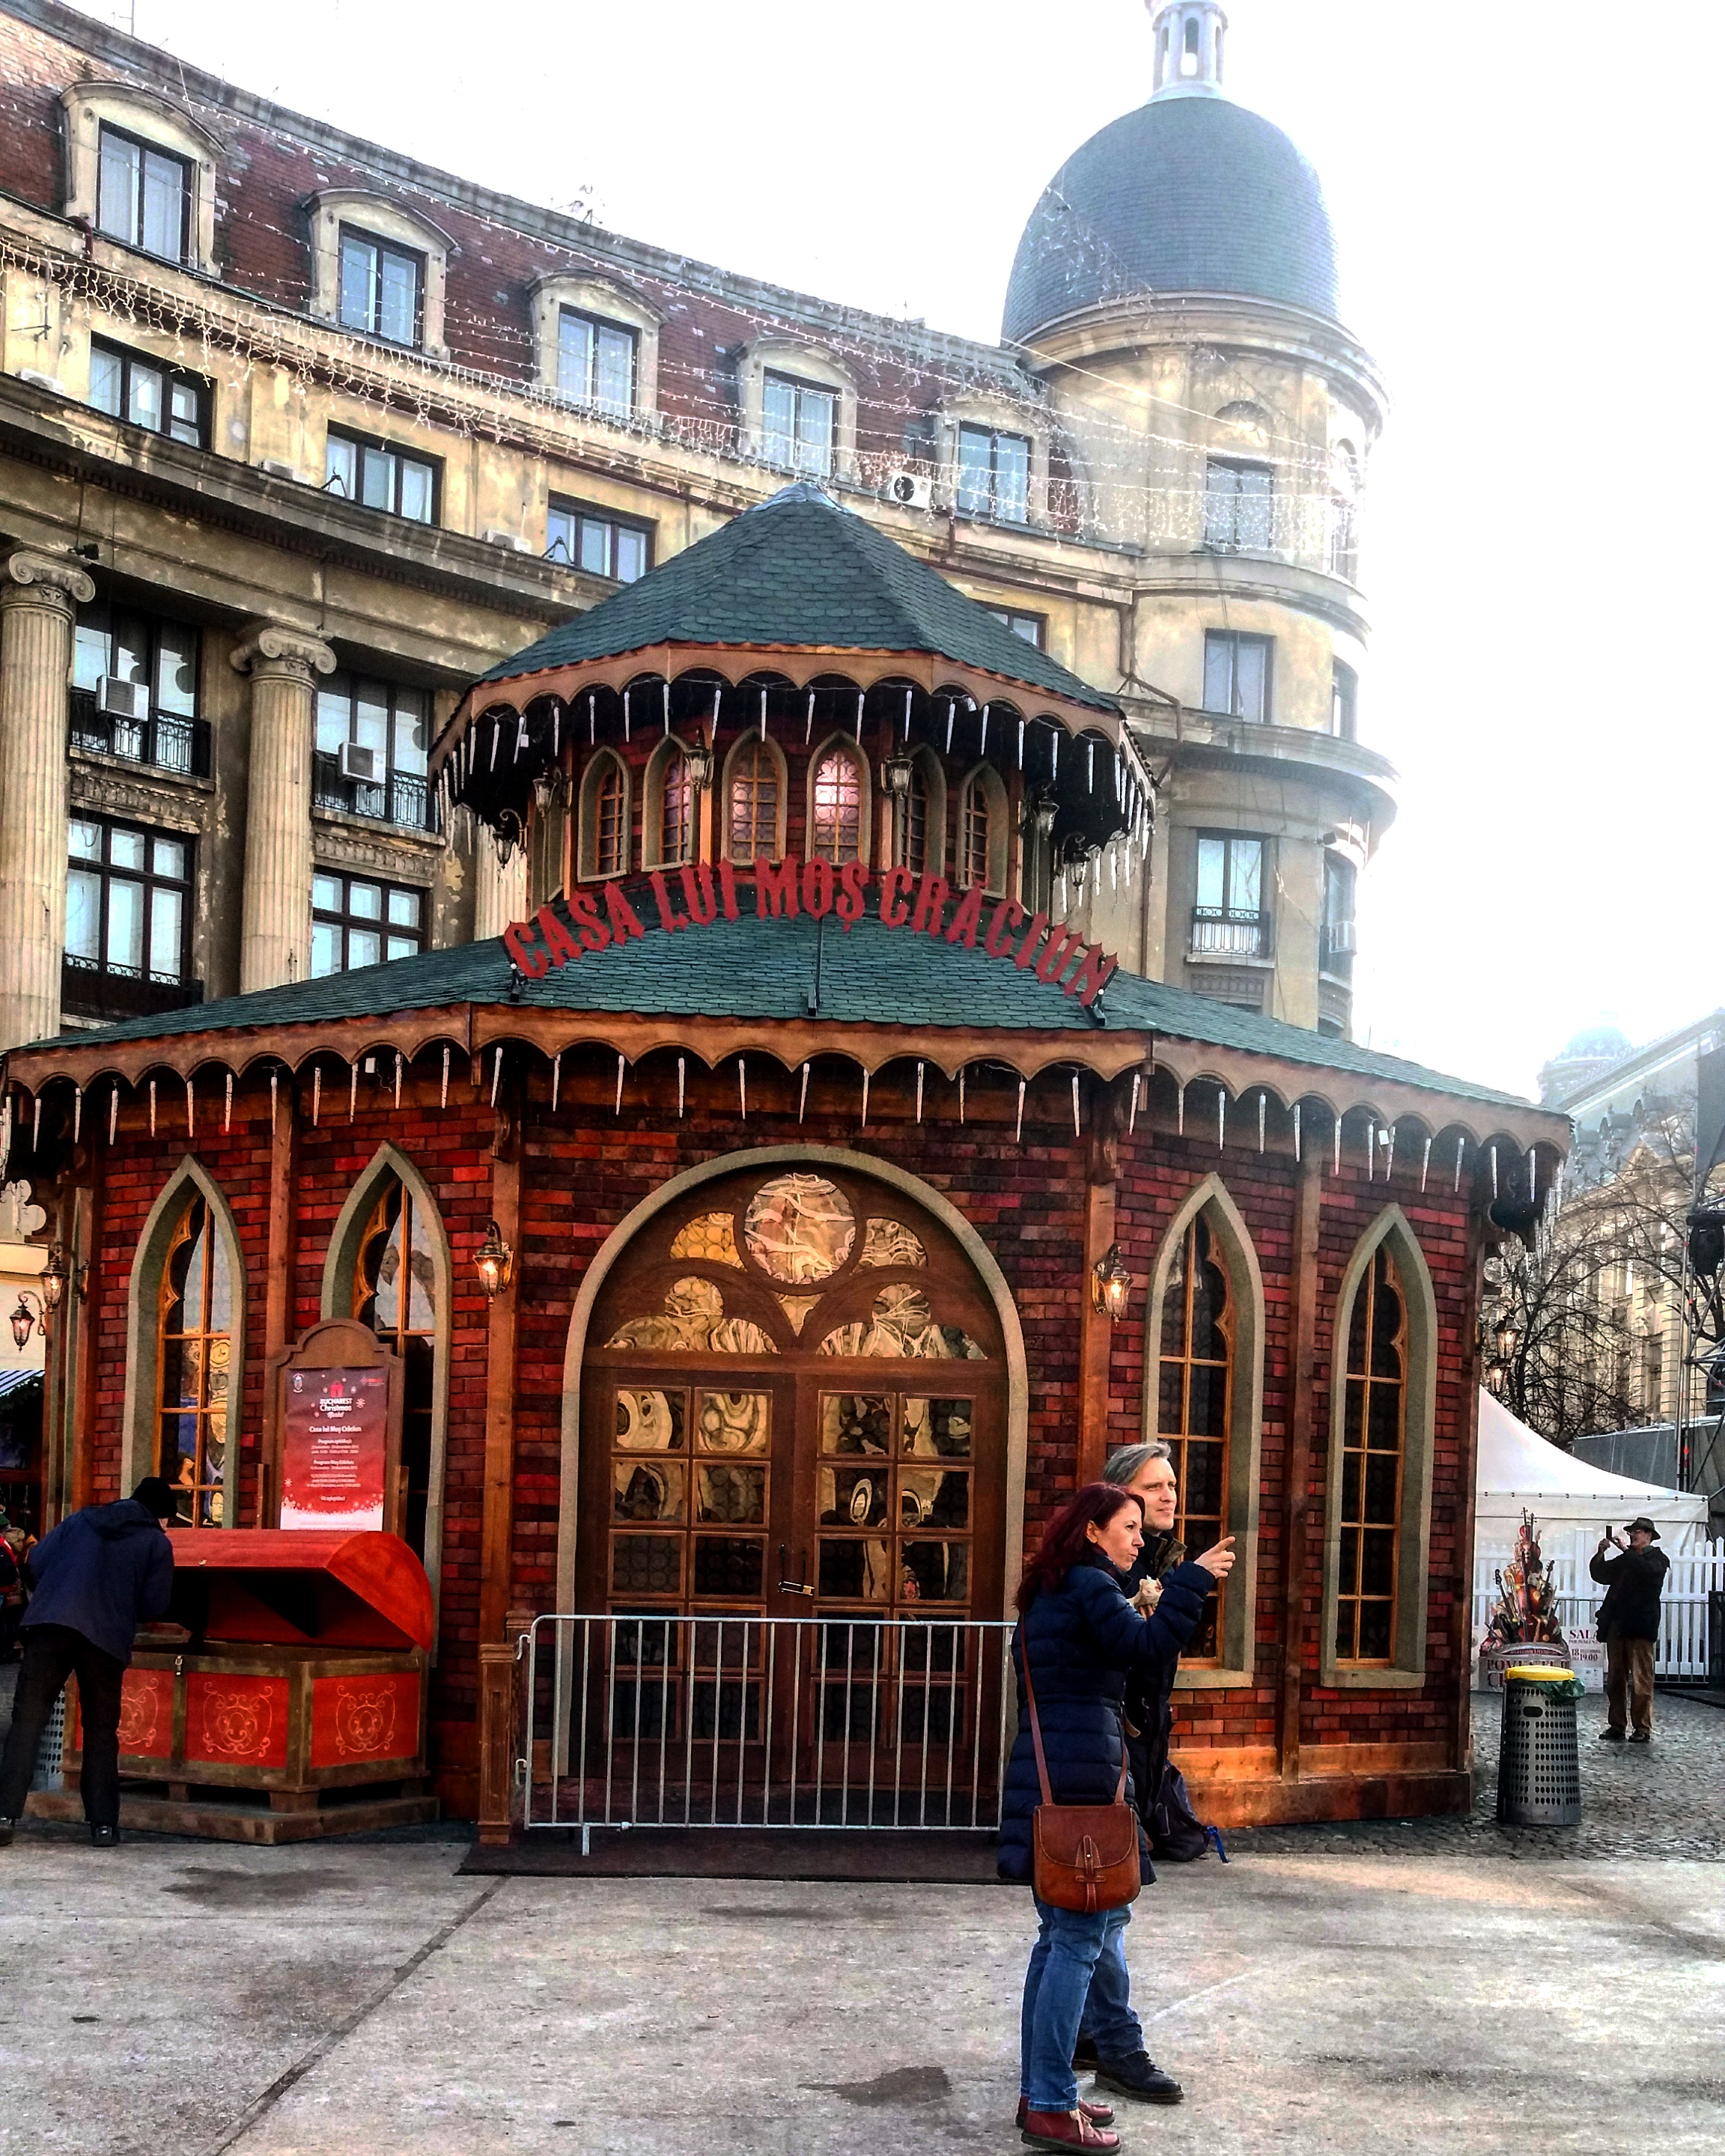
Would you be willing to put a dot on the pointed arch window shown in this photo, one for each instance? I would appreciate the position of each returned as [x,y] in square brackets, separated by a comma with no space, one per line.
[917,814]
[752,804]
[193,1364]
[605,819]
[836,807]
[977,837]
[676,810]
[1195,1398]
[1374,1443]
[395,1292]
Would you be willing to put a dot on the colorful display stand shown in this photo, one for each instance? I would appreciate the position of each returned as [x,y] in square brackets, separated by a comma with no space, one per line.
[284,1700]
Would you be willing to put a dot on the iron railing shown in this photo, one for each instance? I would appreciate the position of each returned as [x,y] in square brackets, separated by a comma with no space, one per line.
[1220,932]
[765,1721]
[401,799]
[89,989]
[163,742]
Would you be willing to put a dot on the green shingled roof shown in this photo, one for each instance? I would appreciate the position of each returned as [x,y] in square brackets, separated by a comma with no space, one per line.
[756,969]
[798,570]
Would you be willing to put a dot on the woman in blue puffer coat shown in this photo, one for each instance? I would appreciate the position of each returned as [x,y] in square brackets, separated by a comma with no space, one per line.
[1085,1641]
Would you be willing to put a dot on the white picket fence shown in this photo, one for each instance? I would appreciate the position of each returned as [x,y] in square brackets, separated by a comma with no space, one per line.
[1694,1576]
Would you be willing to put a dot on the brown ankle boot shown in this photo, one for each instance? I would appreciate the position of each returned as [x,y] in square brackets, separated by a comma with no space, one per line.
[1098,2114]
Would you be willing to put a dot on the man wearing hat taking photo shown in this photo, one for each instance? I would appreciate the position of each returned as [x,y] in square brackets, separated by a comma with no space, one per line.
[1628,1624]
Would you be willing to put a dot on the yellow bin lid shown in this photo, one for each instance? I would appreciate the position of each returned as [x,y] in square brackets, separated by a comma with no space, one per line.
[1540,1673]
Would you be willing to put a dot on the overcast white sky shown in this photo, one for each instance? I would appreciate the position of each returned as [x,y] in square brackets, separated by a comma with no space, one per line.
[1527,205]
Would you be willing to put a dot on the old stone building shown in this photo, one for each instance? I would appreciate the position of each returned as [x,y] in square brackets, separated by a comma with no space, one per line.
[298,437]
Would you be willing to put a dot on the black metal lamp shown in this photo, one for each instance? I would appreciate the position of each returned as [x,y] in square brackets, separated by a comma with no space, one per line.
[1507,1339]
[896,775]
[54,1277]
[1111,1285]
[1045,814]
[1496,1378]
[698,762]
[494,1261]
[23,1321]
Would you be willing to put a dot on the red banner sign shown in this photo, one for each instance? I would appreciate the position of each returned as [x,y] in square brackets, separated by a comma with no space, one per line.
[335,1448]
[695,896]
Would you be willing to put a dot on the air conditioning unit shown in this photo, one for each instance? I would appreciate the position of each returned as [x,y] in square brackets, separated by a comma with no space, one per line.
[910,490]
[277,468]
[495,536]
[363,764]
[122,700]
[1344,938]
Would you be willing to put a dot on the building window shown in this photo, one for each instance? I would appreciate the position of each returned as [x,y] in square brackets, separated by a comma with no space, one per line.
[135,690]
[835,821]
[751,803]
[381,477]
[1237,506]
[1343,557]
[980,830]
[915,813]
[1194,1399]
[1032,627]
[127,951]
[395,1293]
[596,362]
[381,289]
[1229,919]
[798,425]
[672,796]
[1344,701]
[993,475]
[1338,941]
[605,818]
[193,1359]
[603,544]
[165,399]
[370,757]
[1373,1431]
[143,196]
[355,922]
[1236,674]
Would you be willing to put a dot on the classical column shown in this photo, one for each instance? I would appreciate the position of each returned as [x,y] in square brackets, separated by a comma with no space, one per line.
[38,597]
[276,919]
[499,889]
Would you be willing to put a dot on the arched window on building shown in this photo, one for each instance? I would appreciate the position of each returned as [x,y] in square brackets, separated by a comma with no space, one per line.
[838,805]
[1194,1413]
[1380,1465]
[915,818]
[395,1292]
[982,832]
[922,817]
[671,806]
[194,1365]
[605,818]
[754,802]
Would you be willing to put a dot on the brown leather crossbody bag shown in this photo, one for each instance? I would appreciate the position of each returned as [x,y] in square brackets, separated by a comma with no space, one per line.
[1085,1856]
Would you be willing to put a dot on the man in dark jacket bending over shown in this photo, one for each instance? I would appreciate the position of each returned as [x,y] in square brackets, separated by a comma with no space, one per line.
[1628,1624]
[102,1572]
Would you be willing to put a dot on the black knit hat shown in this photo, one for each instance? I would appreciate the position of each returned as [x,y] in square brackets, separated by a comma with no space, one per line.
[157,1494]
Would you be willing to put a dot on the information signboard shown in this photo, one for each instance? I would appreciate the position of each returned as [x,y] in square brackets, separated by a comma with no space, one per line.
[335,1448]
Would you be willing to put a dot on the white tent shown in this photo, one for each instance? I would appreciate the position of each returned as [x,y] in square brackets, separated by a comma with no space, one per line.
[1574,1503]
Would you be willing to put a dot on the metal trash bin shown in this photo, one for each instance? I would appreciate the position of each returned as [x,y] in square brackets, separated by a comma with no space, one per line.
[1538,1765]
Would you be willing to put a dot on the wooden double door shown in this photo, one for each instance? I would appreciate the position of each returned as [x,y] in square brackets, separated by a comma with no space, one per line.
[794,1408]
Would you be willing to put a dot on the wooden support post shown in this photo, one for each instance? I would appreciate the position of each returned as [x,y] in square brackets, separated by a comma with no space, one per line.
[1299,1501]
[86,1216]
[497,1739]
[497,1502]
[1095,1337]
[278,1285]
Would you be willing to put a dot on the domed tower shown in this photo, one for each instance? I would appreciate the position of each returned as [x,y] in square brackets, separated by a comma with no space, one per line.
[1176,289]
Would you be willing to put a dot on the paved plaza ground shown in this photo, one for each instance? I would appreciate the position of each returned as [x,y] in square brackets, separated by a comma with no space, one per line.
[1430,1987]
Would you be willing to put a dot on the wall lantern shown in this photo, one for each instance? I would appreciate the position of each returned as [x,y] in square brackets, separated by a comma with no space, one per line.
[698,762]
[1508,1339]
[1045,814]
[1111,1285]
[896,775]
[1496,1378]
[54,1276]
[24,1320]
[494,1261]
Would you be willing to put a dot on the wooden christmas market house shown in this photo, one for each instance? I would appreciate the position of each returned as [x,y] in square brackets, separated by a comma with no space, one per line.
[786,1214]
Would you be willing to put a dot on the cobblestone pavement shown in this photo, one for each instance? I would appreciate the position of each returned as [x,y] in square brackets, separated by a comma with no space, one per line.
[1664,1800]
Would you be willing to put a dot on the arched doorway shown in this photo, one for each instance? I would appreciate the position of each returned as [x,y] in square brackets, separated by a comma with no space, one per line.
[793,1405]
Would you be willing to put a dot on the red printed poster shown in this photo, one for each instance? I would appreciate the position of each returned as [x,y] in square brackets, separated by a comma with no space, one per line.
[335,1444]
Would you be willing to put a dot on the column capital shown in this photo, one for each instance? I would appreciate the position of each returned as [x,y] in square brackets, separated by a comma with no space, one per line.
[28,573]
[283,648]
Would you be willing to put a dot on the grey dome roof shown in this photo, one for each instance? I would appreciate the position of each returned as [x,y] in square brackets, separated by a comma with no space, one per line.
[1595,1043]
[1186,194]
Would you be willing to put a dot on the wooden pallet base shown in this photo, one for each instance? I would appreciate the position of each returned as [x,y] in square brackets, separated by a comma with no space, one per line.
[212,1819]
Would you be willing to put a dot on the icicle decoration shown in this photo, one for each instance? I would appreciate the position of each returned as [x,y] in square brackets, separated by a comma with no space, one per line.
[1076,1130]
[742,1088]
[1180,1111]
[1336,1169]
[1263,1110]
[865,1101]
[316,1092]
[860,694]
[190,1109]
[626,695]
[1131,1118]
[908,694]
[113,1120]
[496,1071]
[397,1077]
[960,1092]
[1460,1143]
[1494,1172]
[682,1083]
[352,1089]
[496,735]
[951,714]
[1017,1131]
[6,1127]
[982,744]
[764,715]
[593,722]
[1221,1116]
[443,1098]
[803,1094]
[667,709]
[1533,1173]
[77,1112]
[1089,767]
[1021,744]
[557,729]
[809,720]
[227,1106]
[1054,756]
[1424,1165]
[274,1077]
[616,1108]
[152,1112]
[919,1092]
[1390,1156]
[1297,1133]
[1371,1146]
[557,1077]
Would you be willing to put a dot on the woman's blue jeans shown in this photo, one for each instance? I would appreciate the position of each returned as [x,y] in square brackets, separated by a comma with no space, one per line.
[1075,1958]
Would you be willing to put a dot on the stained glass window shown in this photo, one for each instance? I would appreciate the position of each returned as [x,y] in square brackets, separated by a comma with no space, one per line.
[708,1235]
[706,1513]
[753,804]
[902,1325]
[395,1292]
[193,1359]
[1374,1426]
[835,833]
[1195,1398]
[799,1228]
[693,1322]
[893,1499]
[676,812]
